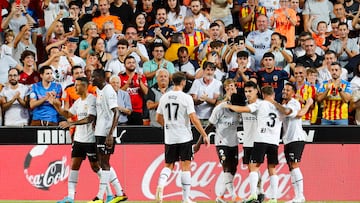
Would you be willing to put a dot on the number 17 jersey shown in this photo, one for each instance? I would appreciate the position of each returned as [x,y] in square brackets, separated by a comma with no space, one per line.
[175,107]
[269,123]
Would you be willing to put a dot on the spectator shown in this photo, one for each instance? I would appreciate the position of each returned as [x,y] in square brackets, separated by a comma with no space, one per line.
[193,36]
[116,65]
[14,98]
[148,8]
[283,57]
[243,73]
[270,6]
[71,59]
[214,35]
[355,100]
[136,47]
[111,38]
[43,113]
[56,31]
[122,10]
[16,18]
[205,91]
[311,58]
[98,46]
[335,95]
[135,84]
[155,92]
[248,15]
[325,71]
[273,76]
[232,32]
[260,39]
[356,21]
[222,34]
[60,72]
[322,9]
[220,10]
[231,57]
[351,8]
[23,42]
[201,21]
[312,77]
[177,41]
[340,13]
[6,63]
[161,31]
[141,25]
[123,99]
[150,67]
[176,14]
[3,5]
[29,75]
[295,5]
[299,50]
[90,32]
[104,6]
[320,34]
[8,46]
[334,34]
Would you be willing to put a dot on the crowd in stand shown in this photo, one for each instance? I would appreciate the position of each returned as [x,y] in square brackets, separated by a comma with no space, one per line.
[47,44]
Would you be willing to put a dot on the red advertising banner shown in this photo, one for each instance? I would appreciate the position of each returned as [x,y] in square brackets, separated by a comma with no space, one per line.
[40,173]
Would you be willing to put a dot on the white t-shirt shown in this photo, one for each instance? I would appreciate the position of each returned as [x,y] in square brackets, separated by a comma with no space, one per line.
[250,126]
[115,66]
[105,101]
[226,123]
[270,5]
[84,108]
[292,125]
[175,107]
[16,115]
[269,123]
[261,43]
[177,21]
[201,22]
[199,88]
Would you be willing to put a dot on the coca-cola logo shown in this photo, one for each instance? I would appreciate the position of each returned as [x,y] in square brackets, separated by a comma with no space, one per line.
[207,179]
[44,173]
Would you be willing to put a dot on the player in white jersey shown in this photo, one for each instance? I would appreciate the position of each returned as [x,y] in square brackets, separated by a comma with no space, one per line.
[225,122]
[266,141]
[174,113]
[84,140]
[105,133]
[294,137]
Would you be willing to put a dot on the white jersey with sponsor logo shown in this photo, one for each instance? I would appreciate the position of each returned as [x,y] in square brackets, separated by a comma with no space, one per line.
[292,125]
[84,108]
[177,20]
[250,125]
[261,43]
[175,107]
[269,123]
[226,123]
[106,100]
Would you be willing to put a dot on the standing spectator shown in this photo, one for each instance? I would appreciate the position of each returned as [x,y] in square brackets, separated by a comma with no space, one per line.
[273,76]
[321,9]
[311,58]
[176,14]
[111,38]
[193,36]
[104,8]
[335,95]
[248,15]
[135,84]
[205,91]
[136,47]
[238,45]
[320,34]
[122,10]
[141,25]
[43,113]
[220,10]
[214,35]
[295,5]
[351,8]
[150,67]
[29,75]
[334,34]
[8,46]
[16,18]
[23,42]
[14,103]
[98,46]
[260,39]
[155,93]
[123,100]
[340,13]
[116,65]
[90,31]
[56,31]
[325,71]
[201,22]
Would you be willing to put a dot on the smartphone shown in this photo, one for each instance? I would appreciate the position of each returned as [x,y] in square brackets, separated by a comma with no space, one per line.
[134,43]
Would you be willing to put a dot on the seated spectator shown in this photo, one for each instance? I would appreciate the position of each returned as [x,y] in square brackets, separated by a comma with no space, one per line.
[299,50]
[355,100]
[311,58]
[123,99]
[214,35]
[155,92]
[56,31]
[104,8]
[205,91]
[334,34]
[177,41]
[141,25]
[29,75]
[232,32]
[335,95]
[43,113]
[14,98]
[135,84]
[150,67]
[312,75]
[325,70]
[98,46]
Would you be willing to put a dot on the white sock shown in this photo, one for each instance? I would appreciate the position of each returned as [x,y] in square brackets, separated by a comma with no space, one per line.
[164,175]
[274,184]
[299,182]
[254,178]
[186,184]
[228,183]
[115,182]
[108,187]
[104,181]
[72,181]
[260,189]
[293,182]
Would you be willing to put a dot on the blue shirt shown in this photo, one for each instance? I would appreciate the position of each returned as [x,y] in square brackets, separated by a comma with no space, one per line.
[45,111]
[274,79]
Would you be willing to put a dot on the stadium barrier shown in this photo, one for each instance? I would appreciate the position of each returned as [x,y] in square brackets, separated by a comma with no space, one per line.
[36,164]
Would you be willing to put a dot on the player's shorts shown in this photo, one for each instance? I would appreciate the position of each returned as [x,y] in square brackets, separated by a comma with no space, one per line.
[228,154]
[293,151]
[176,152]
[259,151]
[101,147]
[84,150]
[247,154]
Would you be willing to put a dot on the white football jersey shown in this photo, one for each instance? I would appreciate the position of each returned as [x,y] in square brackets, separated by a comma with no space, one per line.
[269,123]
[177,20]
[175,107]
[250,125]
[105,101]
[261,43]
[115,66]
[226,123]
[84,108]
[292,125]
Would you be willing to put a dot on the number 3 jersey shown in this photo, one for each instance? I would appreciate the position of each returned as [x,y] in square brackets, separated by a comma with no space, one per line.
[175,107]
[269,123]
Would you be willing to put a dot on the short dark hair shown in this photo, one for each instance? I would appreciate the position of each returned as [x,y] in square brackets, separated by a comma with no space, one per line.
[83,80]
[251,84]
[209,64]
[213,25]
[25,54]
[42,69]
[178,77]
[17,70]
[292,85]
[182,50]
[343,23]
[335,20]
[128,57]
[122,42]
[242,54]
[267,90]
[94,41]
[75,67]
[268,54]
[100,72]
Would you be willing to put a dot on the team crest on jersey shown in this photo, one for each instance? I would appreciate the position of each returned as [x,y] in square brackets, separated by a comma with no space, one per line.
[275,78]
[266,38]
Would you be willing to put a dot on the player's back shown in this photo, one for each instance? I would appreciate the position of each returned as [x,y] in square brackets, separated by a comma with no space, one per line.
[175,106]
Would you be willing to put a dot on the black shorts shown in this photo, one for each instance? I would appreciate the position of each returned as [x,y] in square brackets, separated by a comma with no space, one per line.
[83,150]
[101,148]
[228,154]
[176,152]
[293,151]
[247,154]
[259,151]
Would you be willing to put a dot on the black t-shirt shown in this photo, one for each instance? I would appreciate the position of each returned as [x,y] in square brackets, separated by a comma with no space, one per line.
[124,12]
[308,62]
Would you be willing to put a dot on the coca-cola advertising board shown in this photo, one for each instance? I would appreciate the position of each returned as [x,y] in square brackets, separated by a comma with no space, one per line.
[40,172]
